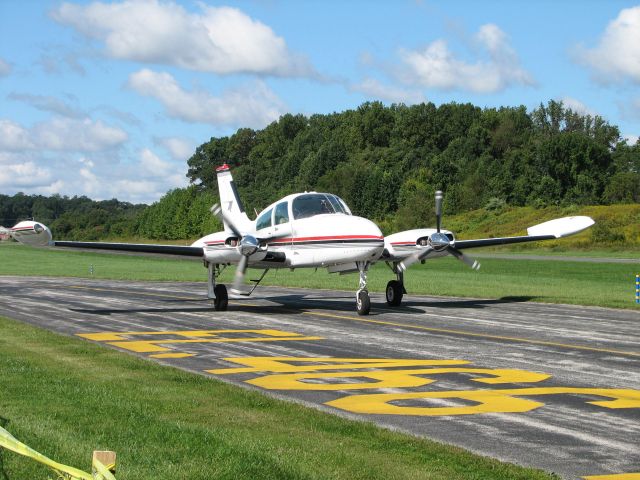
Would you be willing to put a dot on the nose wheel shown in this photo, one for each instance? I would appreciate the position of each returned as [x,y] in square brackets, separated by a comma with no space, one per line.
[363,302]
[216,292]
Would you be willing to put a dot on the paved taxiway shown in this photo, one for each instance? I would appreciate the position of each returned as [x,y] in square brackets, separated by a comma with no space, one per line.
[589,355]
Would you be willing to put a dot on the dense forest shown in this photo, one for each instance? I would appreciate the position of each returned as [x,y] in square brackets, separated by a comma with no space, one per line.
[386,162]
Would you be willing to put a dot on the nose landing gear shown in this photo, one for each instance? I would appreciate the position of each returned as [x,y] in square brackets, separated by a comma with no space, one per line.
[363,302]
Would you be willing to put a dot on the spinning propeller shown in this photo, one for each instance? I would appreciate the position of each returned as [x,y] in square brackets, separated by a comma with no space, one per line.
[438,242]
[247,246]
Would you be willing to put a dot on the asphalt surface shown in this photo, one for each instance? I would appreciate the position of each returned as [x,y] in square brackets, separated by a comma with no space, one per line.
[541,364]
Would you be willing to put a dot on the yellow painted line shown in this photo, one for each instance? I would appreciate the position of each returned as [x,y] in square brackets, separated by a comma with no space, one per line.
[172,355]
[152,346]
[477,335]
[615,476]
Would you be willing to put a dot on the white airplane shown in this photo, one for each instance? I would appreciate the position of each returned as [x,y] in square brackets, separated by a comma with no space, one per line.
[309,230]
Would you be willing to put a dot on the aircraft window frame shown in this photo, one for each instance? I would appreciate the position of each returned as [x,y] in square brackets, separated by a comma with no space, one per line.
[278,218]
[264,220]
[347,210]
[337,206]
[306,205]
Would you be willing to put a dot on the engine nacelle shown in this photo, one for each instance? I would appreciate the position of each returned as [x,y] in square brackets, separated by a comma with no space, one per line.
[31,233]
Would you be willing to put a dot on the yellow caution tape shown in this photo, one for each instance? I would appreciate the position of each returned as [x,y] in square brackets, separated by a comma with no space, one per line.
[102,471]
[9,442]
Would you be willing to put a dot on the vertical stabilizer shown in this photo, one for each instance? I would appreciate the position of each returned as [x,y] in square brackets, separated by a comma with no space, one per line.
[230,200]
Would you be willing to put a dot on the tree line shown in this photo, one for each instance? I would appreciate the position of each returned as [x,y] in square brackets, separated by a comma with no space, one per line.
[387,161]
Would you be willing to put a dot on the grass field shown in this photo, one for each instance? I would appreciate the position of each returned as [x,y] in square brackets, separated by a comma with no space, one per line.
[66,397]
[598,284]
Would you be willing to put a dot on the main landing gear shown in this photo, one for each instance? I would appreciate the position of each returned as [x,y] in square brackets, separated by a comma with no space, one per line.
[394,291]
[363,302]
[395,288]
[217,293]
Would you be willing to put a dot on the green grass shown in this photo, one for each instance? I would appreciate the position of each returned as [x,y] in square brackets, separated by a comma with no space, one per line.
[598,284]
[66,397]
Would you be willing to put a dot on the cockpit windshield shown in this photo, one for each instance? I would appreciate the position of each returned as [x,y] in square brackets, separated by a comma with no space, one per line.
[311,204]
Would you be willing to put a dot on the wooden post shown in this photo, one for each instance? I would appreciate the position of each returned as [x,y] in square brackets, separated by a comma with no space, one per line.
[107,458]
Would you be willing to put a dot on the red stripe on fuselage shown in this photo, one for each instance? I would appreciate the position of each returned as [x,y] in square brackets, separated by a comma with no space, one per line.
[327,238]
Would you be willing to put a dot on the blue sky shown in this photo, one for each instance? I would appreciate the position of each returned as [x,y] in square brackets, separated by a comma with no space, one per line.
[109,99]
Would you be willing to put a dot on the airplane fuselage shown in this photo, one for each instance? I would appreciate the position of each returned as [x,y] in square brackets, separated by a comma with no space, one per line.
[302,230]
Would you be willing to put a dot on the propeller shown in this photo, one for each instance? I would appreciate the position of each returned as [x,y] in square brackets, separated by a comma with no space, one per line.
[247,246]
[438,242]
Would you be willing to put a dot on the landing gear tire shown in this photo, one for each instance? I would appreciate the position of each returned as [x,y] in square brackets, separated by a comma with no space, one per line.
[363,303]
[394,293]
[221,301]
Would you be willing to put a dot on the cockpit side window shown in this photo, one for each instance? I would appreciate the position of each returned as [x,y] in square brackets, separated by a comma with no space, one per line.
[264,220]
[281,214]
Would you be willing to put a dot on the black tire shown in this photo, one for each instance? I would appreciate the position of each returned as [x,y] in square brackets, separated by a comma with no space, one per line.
[221,301]
[363,303]
[394,293]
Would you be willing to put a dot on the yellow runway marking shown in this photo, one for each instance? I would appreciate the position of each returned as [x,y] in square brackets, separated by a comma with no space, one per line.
[477,335]
[615,476]
[389,378]
[487,401]
[172,355]
[121,340]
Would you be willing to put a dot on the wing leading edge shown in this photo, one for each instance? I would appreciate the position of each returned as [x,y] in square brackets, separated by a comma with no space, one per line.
[135,247]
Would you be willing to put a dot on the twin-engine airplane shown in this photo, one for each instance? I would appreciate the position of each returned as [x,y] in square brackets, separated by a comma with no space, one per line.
[309,230]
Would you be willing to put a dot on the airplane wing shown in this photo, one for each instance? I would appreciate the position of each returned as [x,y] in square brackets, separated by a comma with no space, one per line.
[553,229]
[414,246]
[135,247]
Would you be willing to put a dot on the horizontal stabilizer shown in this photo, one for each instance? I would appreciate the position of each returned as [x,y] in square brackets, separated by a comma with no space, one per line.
[561,227]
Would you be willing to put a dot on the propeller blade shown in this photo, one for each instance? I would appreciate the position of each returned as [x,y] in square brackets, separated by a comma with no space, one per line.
[218,212]
[438,210]
[474,264]
[238,280]
[416,257]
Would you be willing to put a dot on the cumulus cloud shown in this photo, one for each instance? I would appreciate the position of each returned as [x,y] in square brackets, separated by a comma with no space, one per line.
[221,40]
[5,68]
[374,89]
[86,135]
[616,57]
[21,175]
[47,103]
[253,105]
[178,148]
[435,66]
[14,137]
[83,157]
[577,106]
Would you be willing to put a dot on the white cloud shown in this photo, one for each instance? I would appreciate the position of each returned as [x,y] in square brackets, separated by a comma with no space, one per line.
[435,66]
[577,106]
[5,68]
[616,57]
[253,105]
[84,135]
[14,137]
[631,139]
[27,174]
[178,148]
[221,40]
[372,88]
[47,104]
[153,165]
